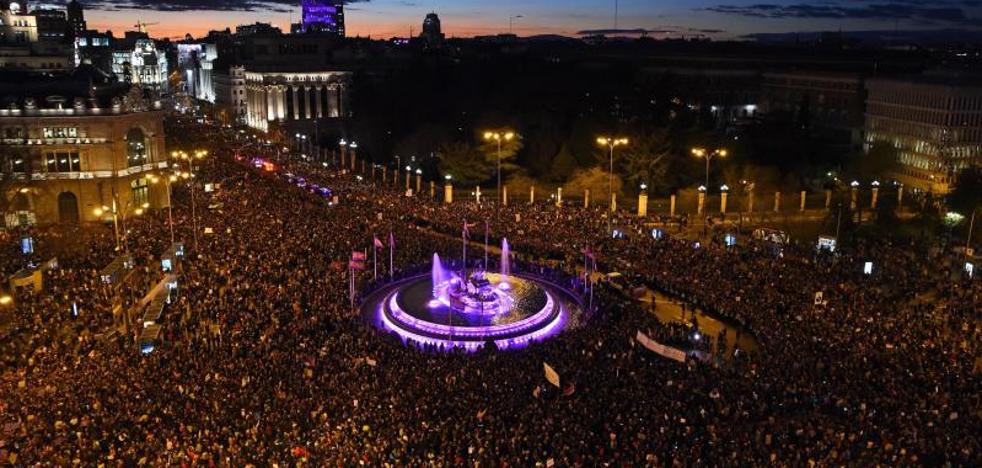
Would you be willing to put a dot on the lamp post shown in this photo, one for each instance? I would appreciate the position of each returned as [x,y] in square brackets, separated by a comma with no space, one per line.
[199,154]
[170,208]
[611,143]
[353,146]
[343,144]
[708,155]
[499,137]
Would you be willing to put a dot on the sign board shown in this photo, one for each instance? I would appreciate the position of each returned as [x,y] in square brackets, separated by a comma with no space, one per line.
[827,243]
[868,268]
[551,375]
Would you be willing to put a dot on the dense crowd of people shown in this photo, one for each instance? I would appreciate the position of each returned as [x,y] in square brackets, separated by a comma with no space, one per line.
[263,361]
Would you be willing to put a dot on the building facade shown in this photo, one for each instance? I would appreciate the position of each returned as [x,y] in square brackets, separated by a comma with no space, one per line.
[196,64]
[295,97]
[137,60]
[22,46]
[321,16]
[230,93]
[934,123]
[68,156]
[828,103]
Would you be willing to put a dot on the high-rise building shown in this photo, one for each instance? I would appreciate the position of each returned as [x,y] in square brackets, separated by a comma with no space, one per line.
[432,31]
[322,16]
[934,122]
[22,46]
[76,19]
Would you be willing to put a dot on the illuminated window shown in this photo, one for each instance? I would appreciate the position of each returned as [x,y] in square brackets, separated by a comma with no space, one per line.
[136,148]
[62,161]
[60,132]
[140,192]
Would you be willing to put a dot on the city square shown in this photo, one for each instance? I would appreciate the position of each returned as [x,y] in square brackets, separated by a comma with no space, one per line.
[260,248]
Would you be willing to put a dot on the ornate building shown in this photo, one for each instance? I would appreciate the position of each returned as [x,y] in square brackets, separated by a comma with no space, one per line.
[67,149]
[295,99]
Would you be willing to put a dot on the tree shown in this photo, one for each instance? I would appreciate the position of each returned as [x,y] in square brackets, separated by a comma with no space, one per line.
[645,160]
[593,179]
[509,150]
[877,163]
[563,165]
[464,162]
[967,194]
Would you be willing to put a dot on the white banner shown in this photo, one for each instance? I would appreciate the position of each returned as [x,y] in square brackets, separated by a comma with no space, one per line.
[666,351]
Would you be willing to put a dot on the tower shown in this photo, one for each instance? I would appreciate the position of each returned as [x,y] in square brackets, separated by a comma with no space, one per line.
[322,16]
[76,19]
[432,31]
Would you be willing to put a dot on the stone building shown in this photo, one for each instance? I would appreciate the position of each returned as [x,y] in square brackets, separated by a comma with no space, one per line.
[295,99]
[67,149]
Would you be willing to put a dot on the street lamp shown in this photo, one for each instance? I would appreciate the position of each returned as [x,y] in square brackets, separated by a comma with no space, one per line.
[708,155]
[198,154]
[170,209]
[499,137]
[611,143]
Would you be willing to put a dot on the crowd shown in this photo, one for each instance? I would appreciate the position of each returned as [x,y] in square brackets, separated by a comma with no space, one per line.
[264,362]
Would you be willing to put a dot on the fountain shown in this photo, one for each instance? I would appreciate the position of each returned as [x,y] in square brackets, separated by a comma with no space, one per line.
[505,258]
[447,310]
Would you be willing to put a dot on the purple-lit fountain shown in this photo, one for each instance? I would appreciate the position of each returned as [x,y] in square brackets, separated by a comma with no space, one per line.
[448,309]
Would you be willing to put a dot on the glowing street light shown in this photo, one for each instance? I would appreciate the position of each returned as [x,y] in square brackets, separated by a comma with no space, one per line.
[708,155]
[611,143]
[499,137]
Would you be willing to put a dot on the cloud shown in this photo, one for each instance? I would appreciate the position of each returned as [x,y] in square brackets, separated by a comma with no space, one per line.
[948,12]
[277,6]
[642,31]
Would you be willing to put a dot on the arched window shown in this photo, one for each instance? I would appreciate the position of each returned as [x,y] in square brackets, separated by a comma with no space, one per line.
[136,148]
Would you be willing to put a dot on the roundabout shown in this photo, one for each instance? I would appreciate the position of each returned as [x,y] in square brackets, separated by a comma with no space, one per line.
[470,309]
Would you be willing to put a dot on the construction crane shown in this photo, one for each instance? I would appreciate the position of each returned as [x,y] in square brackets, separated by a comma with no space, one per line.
[142,27]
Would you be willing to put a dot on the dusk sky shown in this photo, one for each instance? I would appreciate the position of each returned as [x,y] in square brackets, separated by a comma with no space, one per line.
[386,18]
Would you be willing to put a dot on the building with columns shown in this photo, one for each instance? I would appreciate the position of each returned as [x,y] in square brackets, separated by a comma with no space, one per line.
[297,100]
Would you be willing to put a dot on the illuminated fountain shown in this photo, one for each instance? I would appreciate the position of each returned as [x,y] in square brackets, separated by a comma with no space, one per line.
[447,309]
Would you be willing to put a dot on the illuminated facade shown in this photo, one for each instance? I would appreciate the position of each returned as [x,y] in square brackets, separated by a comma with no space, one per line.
[322,16]
[295,97]
[69,155]
[935,124]
[138,61]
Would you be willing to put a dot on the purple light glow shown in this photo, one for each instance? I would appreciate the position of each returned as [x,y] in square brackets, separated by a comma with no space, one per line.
[551,329]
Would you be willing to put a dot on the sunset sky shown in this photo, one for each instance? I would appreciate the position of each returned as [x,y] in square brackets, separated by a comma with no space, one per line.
[387,18]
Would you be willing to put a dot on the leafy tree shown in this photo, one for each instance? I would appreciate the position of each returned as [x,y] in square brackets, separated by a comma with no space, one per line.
[645,160]
[877,163]
[594,179]
[967,194]
[563,165]
[464,162]
[509,150]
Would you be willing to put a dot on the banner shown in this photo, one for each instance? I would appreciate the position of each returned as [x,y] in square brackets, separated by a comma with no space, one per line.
[551,375]
[666,351]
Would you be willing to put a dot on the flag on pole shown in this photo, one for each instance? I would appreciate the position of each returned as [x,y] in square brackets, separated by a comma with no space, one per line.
[589,253]
[467,229]
[357,256]
[551,375]
[378,243]
[356,265]
[392,240]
